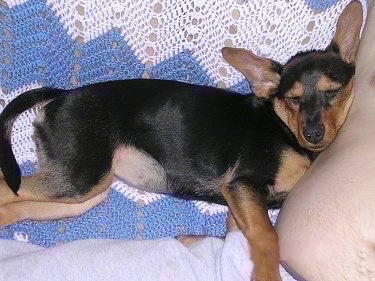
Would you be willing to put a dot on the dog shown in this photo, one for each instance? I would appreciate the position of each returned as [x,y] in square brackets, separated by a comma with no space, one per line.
[193,142]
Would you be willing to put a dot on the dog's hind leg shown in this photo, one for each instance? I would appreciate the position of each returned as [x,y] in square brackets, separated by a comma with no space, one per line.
[30,190]
[56,191]
[39,206]
[36,188]
[39,211]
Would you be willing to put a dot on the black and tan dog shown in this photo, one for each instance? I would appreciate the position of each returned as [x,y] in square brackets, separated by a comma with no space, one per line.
[246,151]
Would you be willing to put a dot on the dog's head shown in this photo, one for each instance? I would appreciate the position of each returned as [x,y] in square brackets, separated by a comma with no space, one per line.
[312,92]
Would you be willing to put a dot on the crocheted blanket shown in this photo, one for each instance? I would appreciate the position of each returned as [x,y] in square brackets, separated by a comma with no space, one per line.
[67,44]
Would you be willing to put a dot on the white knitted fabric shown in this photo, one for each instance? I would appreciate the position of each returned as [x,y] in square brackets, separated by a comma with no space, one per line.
[159,29]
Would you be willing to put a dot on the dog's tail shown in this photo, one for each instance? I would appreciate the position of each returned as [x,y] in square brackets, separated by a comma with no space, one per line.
[25,101]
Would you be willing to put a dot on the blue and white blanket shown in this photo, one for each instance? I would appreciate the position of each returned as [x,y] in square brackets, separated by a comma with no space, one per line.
[67,44]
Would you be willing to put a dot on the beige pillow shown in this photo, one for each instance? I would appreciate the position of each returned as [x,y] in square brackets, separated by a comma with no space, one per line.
[327,224]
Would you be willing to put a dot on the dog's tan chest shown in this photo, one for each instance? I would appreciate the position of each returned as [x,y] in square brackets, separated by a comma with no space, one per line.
[293,166]
[139,169]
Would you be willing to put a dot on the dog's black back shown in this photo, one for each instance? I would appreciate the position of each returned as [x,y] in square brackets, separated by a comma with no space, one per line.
[196,133]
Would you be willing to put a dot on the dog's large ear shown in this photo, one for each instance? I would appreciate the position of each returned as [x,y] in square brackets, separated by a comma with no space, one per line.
[348,30]
[261,73]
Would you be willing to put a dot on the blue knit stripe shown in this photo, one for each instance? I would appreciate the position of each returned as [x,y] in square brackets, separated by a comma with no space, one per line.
[315,4]
[105,58]
[26,38]
[241,87]
[321,4]
[42,51]
[182,67]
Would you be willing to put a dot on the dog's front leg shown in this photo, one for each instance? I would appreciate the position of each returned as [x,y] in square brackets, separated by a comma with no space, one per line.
[252,218]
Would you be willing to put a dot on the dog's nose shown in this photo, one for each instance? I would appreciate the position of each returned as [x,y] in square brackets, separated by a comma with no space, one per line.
[313,134]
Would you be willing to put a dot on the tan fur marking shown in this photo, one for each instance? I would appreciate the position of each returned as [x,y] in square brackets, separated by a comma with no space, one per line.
[228,176]
[326,84]
[253,220]
[335,116]
[290,117]
[293,166]
[296,91]
[17,211]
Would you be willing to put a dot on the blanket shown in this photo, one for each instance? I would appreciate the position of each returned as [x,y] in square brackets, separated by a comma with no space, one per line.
[67,44]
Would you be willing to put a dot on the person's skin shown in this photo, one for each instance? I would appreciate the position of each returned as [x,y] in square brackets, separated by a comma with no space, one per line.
[326,226]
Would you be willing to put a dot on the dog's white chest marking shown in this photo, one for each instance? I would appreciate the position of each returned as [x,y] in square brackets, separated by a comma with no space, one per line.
[140,170]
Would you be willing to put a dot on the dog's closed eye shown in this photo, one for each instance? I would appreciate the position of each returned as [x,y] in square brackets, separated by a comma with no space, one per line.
[331,94]
[293,101]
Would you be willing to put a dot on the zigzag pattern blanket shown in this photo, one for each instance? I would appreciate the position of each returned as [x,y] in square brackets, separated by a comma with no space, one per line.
[71,43]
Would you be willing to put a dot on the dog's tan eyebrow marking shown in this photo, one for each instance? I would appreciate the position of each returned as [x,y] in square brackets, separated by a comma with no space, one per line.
[327,84]
[296,91]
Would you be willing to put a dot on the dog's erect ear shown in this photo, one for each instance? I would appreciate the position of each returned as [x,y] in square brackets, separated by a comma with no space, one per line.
[348,29]
[261,73]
